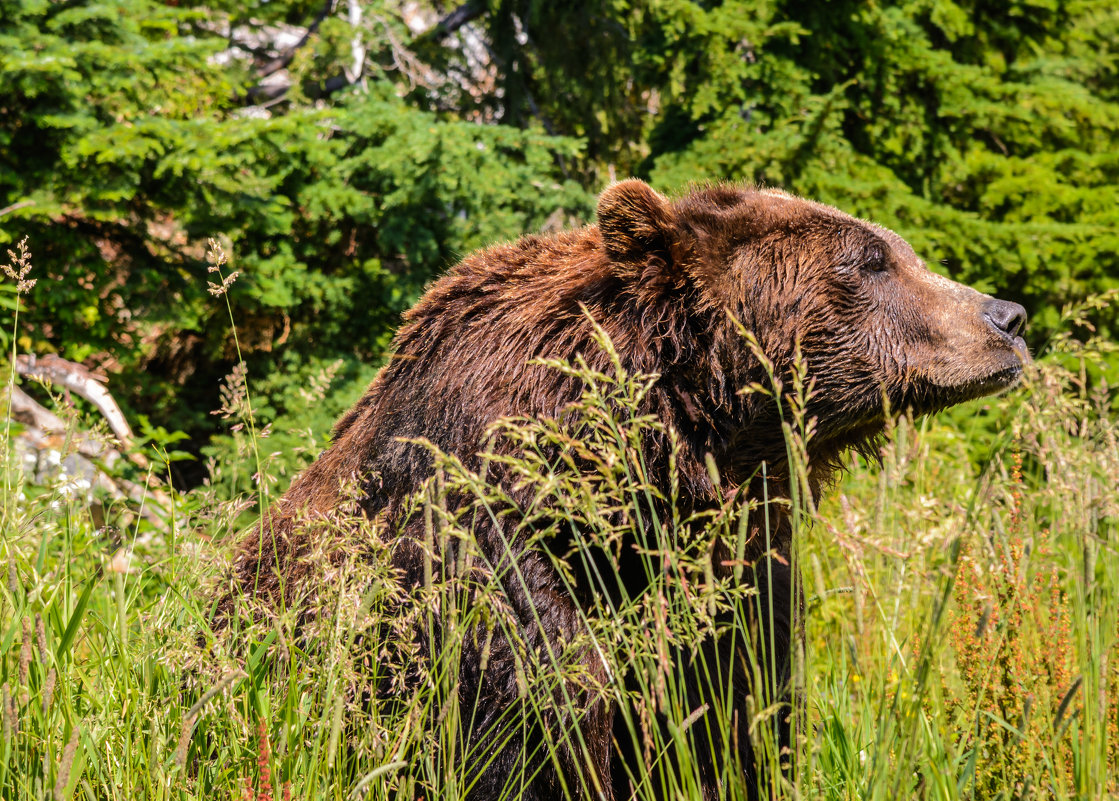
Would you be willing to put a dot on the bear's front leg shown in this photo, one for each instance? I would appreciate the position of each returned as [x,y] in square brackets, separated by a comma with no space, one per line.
[735,716]
[535,715]
[749,672]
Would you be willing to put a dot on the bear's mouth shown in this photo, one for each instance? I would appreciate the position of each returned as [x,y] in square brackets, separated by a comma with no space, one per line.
[995,382]
[998,380]
[992,384]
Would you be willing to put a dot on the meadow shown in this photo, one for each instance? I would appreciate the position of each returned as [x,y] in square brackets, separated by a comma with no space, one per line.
[961,616]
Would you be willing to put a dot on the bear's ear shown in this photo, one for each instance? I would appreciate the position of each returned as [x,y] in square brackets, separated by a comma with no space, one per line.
[636,222]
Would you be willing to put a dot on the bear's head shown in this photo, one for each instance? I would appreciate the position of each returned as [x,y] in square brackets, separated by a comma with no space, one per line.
[876,328]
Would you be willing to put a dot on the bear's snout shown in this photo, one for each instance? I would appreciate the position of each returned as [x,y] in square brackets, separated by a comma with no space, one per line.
[1009,323]
[1007,318]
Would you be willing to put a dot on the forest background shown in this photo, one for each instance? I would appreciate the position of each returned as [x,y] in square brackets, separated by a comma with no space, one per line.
[346,152]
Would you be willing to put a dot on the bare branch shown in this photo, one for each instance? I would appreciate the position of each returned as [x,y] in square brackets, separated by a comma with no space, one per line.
[31,413]
[464,14]
[90,457]
[403,59]
[83,383]
[357,48]
[16,207]
[285,58]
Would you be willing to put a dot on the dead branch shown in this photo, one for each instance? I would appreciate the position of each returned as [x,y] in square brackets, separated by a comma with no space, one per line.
[464,14]
[153,505]
[51,430]
[283,59]
[53,369]
[92,457]
[357,47]
[16,207]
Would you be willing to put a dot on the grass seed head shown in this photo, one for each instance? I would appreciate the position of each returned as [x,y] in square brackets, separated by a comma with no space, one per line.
[24,660]
[217,258]
[48,689]
[19,267]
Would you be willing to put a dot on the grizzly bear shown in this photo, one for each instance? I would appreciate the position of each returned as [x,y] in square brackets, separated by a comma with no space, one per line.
[674,285]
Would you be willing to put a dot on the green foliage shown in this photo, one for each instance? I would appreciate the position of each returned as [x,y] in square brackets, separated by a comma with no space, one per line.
[984,135]
[121,131]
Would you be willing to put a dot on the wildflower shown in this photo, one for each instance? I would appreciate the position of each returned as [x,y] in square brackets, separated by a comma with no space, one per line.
[1003,613]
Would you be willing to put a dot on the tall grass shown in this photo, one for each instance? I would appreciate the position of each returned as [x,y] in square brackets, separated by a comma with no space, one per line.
[960,628]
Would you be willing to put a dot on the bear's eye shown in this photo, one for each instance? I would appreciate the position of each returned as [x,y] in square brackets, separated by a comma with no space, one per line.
[875,260]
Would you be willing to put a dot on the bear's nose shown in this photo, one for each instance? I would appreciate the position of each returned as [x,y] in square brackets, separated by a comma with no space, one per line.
[1010,318]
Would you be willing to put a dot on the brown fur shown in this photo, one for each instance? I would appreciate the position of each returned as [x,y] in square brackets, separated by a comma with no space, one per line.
[670,282]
